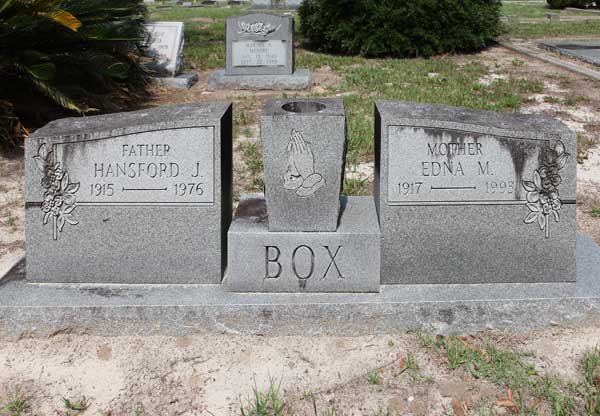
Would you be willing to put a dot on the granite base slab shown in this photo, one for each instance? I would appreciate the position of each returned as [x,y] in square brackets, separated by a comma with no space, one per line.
[588,52]
[299,80]
[29,309]
[181,81]
[345,260]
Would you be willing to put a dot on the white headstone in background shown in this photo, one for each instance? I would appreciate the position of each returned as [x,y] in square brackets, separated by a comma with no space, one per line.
[165,43]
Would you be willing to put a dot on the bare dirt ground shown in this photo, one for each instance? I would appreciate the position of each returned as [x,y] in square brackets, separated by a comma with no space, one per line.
[215,375]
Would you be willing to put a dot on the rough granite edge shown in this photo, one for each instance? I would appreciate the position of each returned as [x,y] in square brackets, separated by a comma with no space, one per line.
[180,115]
[423,112]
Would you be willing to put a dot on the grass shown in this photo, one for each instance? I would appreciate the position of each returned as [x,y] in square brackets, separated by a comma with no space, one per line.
[17,405]
[76,405]
[574,100]
[10,220]
[268,403]
[595,212]
[374,378]
[584,144]
[526,387]
[534,10]
[552,29]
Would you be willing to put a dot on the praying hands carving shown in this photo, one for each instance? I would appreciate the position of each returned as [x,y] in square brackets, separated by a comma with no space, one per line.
[300,174]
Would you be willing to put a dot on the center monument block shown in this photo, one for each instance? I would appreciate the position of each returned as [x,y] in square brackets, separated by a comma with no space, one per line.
[139,197]
[314,242]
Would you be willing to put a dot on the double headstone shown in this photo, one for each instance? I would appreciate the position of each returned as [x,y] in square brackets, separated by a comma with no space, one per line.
[164,44]
[474,197]
[304,238]
[140,197]
[260,54]
[461,197]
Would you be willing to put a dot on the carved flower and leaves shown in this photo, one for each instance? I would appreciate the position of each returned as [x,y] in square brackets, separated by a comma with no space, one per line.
[59,192]
[258,28]
[543,198]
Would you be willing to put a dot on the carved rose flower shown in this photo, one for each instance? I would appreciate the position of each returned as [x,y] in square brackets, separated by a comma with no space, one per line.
[543,198]
[59,196]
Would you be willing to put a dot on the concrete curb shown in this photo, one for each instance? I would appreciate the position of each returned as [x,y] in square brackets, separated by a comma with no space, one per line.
[581,70]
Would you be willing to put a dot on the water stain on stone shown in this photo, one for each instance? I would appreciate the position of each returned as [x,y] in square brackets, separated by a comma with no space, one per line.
[253,209]
[104,292]
[520,152]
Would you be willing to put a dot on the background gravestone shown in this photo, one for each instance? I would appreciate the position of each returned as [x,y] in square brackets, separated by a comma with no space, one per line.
[260,54]
[260,44]
[140,197]
[474,197]
[164,45]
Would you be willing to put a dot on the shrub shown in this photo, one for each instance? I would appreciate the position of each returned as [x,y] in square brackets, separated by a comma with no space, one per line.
[401,28]
[75,56]
[561,4]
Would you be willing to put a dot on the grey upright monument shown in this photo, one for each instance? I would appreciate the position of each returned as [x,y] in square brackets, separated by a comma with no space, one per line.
[140,197]
[470,196]
[260,55]
[304,237]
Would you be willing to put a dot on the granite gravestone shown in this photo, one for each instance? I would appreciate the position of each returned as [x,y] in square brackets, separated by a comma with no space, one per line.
[474,197]
[276,4]
[304,149]
[303,238]
[140,197]
[260,44]
[165,44]
[260,54]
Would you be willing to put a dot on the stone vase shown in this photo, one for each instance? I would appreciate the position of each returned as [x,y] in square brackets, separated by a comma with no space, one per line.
[304,149]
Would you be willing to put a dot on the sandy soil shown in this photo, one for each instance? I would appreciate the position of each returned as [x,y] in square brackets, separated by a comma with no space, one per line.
[215,375]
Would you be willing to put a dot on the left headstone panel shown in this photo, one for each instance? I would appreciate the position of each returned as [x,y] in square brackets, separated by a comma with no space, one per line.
[139,197]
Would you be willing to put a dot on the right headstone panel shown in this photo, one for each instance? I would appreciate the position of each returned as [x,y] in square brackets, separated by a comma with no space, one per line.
[469,196]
